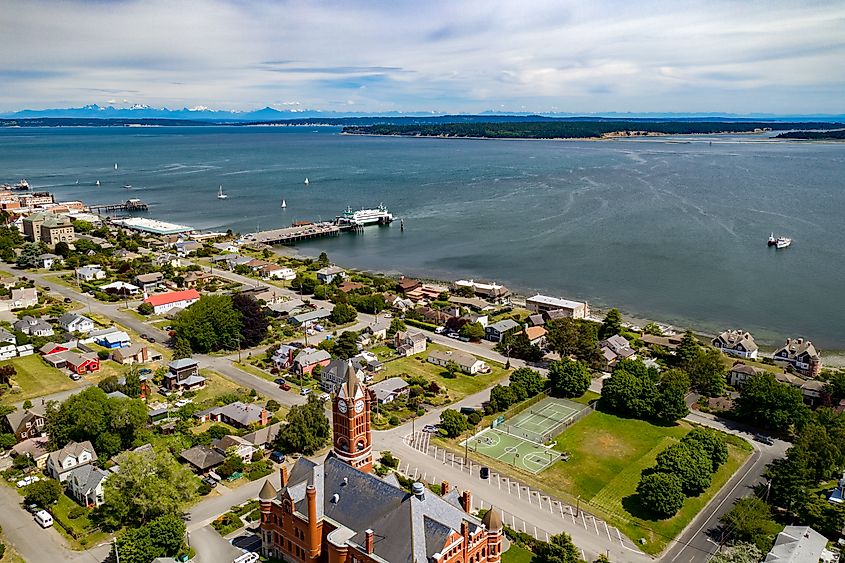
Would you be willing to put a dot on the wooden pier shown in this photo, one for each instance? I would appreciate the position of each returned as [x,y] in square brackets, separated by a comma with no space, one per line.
[128,205]
[292,235]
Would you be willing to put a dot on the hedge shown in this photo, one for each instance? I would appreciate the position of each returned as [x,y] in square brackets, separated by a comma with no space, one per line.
[420,324]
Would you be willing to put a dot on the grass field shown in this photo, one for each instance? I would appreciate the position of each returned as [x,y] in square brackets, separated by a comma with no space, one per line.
[459,387]
[517,554]
[216,384]
[79,527]
[36,379]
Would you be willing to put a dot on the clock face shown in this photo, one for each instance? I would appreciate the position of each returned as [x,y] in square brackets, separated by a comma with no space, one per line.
[341,405]
[359,406]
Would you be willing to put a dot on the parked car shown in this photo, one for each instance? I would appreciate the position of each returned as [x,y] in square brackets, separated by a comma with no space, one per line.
[430,429]
[277,457]
[151,340]
[68,300]
[467,410]
[284,387]
[248,557]
[305,391]
[440,330]
[279,381]
[387,315]
[43,518]
[325,397]
[209,481]
[484,473]
[75,376]
[27,481]
[454,335]
[764,439]
[32,508]
[182,402]
[145,371]
[145,336]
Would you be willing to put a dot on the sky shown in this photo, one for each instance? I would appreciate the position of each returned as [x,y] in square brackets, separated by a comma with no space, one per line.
[458,56]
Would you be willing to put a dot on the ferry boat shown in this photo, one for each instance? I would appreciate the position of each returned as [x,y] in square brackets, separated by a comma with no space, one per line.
[363,217]
[220,194]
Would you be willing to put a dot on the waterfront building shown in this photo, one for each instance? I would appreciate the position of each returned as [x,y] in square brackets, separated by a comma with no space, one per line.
[493,291]
[330,273]
[544,304]
[339,512]
[801,355]
[736,343]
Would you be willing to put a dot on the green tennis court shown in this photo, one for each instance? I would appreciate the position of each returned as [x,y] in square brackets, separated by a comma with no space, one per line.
[513,450]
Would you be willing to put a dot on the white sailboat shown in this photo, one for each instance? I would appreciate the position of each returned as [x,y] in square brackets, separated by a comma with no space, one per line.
[284,205]
[98,183]
[306,181]
[115,166]
[220,194]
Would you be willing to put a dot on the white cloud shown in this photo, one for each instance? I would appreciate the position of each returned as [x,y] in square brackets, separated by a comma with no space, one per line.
[602,55]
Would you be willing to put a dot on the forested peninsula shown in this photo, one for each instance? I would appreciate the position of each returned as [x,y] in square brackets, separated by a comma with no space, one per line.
[580,129]
[837,135]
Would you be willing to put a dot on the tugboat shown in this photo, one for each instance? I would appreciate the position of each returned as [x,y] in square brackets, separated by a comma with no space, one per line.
[772,239]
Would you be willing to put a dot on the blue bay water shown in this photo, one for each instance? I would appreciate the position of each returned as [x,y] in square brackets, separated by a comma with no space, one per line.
[670,229]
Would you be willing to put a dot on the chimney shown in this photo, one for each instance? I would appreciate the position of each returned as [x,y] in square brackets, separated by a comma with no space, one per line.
[264,417]
[465,529]
[369,543]
[444,488]
[283,474]
[466,501]
[418,490]
[314,544]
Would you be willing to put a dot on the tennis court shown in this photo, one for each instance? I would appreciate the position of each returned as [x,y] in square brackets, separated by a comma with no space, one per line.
[520,440]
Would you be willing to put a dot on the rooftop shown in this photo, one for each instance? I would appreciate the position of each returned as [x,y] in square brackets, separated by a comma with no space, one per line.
[556,302]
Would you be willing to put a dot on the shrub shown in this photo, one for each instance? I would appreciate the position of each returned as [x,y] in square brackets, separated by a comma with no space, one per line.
[393,420]
[103,355]
[76,512]
[203,489]
[388,460]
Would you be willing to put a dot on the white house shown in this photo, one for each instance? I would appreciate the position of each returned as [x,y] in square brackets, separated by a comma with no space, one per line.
[225,246]
[73,322]
[90,273]
[47,260]
[235,445]
[75,454]
[24,298]
[85,485]
[276,272]
[8,351]
[121,288]
[544,304]
[330,273]
[164,302]
[409,342]
[33,327]
[466,362]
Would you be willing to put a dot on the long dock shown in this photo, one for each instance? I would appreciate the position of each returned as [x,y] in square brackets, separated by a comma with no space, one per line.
[292,235]
[128,205]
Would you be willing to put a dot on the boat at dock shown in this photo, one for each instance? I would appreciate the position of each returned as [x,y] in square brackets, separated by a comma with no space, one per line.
[220,194]
[364,217]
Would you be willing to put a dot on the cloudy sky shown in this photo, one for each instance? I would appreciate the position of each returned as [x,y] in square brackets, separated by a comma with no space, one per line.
[427,55]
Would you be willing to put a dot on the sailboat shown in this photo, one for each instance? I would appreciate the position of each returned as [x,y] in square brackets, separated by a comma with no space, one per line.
[220,194]
[306,181]
[98,183]
[284,205]
[115,166]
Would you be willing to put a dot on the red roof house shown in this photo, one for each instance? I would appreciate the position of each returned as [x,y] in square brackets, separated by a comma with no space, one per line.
[163,302]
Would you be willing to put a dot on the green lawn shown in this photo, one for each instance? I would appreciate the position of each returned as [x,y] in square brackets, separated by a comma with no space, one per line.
[458,388]
[80,532]
[215,384]
[35,379]
[516,554]
[587,398]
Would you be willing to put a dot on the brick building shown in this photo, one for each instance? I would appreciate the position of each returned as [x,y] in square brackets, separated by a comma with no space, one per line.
[337,512]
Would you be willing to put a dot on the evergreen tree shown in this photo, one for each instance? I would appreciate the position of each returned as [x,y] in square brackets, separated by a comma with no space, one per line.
[612,324]
[253,319]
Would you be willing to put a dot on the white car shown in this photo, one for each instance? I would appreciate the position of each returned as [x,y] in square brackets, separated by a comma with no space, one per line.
[27,481]
[305,391]
[182,402]
[325,397]
[440,330]
[246,558]
[387,315]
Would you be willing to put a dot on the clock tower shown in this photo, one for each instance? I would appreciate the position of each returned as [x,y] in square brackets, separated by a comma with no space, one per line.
[351,423]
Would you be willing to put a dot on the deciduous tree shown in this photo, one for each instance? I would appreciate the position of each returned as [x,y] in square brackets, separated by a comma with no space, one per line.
[689,463]
[569,378]
[750,520]
[210,324]
[253,319]
[307,429]
[453,423]
[559,549]
[661,493]
[43,493]
[767,402]
[529,379]
[343,314]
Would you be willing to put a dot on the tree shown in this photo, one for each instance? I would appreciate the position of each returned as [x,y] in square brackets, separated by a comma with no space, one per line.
[766,401]
[517,345]
[149,484]
[671,401]
[43,493]
[132,386]
[689,463]
[181,348]
[162,537]
[146,308]
[612,324]
[343,314]
[28,258]
[563,336]
[323,260]
[738,553]
[559,549]
[788,481]
[750,520]
[396,325]
[7,440]
[307,429]
[62,249]
[253,319]
[473,331]
[707,372]
[821,455]
[110,384]
[631,390]
[687,352]
[569,378]
[345,346]
[711,442]
[453,423]
[823,516]
[210,324]
[231,465]
[501,398]
[661,493]
[653,329]
[529,379]
[452,368]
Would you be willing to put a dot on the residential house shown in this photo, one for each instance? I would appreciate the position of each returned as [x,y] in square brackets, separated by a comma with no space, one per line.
[26,423]
[48,260]
[164,302]
[85,485]
[283,357]
[378,328]
[736,343]
[7,352]
[536,335]
[398,303]
[203,458]
[798,544]
[812,390]
[616,348]
[387,390]
[276,272]
[121,288]
[149,283]
[33,327]
[162,259]
[80,364]
[183,375]
[186,247]
[116,339]
[536,319]
[666,342]
[740,373]
[308,358]
[467,363]
[73,322]
[37,449]
[7,337]
[53,348]
[288,307]
[427,292]
[488,290]
[330,273]
[309,318]
[263,293]
[234,445]
[90,273]
[25,350]
[228,247]
[263,437]
[193,280]
[238,414]
[434,316]
[350,286]
[475,303]
[409,342]
[334,374]
[135,354]
[497,331]
[23,298]
[544,303]
[801,355]
[123,255]
[74,454]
